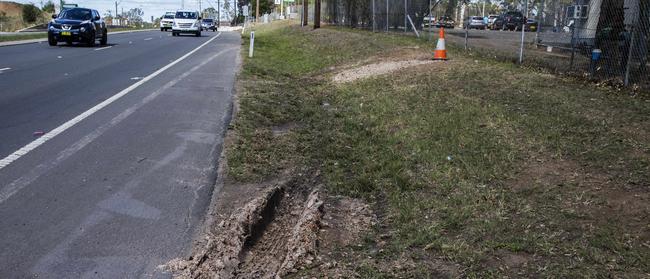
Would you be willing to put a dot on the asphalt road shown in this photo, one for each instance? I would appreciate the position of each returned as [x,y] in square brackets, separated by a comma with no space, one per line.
[121,178]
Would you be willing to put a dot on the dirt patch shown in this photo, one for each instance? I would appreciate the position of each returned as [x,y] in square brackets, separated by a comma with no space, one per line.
[272,235]
[376,69]
[283,129]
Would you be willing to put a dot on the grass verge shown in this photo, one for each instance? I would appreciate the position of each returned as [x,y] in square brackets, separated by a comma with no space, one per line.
[475,168]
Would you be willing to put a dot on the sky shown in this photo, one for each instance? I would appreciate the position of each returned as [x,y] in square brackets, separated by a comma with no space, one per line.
[155,8]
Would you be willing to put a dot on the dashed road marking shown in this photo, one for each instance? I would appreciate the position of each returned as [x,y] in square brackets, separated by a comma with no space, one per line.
[67,125]
[147,39]
[102,48]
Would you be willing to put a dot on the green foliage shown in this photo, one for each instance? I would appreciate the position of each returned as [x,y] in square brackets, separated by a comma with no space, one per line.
[49,7]
[266,6]
[31,13]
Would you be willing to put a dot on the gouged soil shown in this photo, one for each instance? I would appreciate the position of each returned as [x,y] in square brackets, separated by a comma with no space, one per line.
[274,230]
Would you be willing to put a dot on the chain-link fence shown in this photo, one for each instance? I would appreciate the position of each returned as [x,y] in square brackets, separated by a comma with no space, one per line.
[600,39]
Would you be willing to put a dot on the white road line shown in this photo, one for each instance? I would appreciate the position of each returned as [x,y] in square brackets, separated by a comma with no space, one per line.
[102,48]
[4,69]
[67,125]
[39,170]
[148,39]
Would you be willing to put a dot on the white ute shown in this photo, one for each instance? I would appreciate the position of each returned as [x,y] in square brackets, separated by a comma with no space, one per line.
[187,22]
[166,21]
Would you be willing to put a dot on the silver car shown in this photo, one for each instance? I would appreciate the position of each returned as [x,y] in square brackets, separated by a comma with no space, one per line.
[474,22]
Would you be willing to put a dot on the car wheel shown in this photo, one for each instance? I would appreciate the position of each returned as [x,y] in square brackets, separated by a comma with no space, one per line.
[198,34]
[51,40]
[174,34]
[104,39]
[91,39]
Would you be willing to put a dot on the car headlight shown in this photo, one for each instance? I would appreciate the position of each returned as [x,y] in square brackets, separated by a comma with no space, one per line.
[51,27]
[85,22]
[82,29]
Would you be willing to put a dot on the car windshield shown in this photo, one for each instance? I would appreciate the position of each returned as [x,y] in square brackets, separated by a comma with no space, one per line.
[477,18]
[188,15]
[169,16]
[207,20]
[76,14]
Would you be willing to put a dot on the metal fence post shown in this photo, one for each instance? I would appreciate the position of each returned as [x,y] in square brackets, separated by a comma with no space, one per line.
[430,22]
[573,46]
[539,23]
[405,13]
[374,21]
[466,35]
[523,33]
[626,80]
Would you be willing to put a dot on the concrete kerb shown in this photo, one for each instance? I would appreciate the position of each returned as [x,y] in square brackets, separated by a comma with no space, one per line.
[33,41]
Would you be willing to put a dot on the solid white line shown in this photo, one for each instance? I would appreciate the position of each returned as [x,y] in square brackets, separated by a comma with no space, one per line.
[148,39]
[101,48]
[67,125]
[39,170]
[5,69]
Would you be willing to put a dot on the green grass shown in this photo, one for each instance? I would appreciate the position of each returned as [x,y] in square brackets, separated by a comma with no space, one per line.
[465,166]
[10,38]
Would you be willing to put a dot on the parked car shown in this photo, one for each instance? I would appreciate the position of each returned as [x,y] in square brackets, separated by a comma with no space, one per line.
[446,22]
[186,21]
[208,24]
[511,20]
[167,21]
[77,25]
[531,25]
[428,19]
[474,22]
[491,19]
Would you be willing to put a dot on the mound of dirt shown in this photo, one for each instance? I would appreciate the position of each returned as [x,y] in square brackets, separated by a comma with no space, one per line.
[376,69]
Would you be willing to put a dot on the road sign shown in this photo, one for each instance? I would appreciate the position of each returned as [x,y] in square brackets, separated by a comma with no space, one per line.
[245,10]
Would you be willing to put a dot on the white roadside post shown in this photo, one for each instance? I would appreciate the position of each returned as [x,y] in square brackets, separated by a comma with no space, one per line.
[250,49]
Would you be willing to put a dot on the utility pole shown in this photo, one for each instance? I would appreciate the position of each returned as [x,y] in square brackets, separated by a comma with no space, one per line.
[219,13]
[200,10]
[257,11]
[116,23]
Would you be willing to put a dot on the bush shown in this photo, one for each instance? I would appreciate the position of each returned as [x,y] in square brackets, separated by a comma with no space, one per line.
[31,13]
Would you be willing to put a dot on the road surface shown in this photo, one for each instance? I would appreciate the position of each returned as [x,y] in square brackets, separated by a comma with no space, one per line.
[108,155]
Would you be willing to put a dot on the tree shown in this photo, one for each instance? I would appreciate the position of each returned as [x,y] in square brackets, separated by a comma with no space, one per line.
[31,13]
[266,6]
[48,7]
[226,8]
[209,12]
[135,16]
[3,19]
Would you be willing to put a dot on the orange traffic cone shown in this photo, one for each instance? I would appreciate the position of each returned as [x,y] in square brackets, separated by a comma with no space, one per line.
[441,52]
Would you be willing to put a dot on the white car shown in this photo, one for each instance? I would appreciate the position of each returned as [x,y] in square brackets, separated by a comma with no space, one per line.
[186,21]
[167,21]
